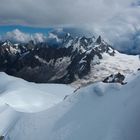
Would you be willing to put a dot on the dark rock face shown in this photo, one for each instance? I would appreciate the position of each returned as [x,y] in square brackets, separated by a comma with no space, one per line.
[116,78]
[1,137]
[99,40]
[42,63]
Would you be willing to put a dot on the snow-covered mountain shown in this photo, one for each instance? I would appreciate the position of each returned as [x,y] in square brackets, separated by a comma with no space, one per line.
[122,63]
[76,60]
[101,111]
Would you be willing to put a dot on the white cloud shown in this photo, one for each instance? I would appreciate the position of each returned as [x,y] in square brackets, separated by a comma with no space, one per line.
[52,36]
[38,37]
[18,36]
[122,30]
[116,20]
[59,12]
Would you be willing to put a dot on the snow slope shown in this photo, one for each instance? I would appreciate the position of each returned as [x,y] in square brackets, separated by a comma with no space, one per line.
[23,96]
[98,112]
[18,96]
[8,118]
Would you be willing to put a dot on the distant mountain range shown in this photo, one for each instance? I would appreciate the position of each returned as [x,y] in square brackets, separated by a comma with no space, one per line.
[66,59]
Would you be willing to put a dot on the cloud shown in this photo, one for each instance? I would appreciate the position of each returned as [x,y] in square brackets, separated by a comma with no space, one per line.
[116,20]
[122,30]
[55,36]
[59,12]
[39,37]
[18,36]
[52,36]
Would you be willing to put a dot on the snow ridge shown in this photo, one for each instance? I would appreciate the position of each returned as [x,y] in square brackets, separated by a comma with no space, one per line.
[100,111]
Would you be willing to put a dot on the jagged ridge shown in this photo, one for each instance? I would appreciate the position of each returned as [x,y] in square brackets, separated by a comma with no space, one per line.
[42,63]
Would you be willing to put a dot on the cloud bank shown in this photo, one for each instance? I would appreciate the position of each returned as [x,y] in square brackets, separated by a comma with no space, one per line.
[60,12]
[18,36]
[123,30]
[116,20]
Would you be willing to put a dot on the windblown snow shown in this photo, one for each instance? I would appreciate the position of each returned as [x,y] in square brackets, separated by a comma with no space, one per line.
[97,112]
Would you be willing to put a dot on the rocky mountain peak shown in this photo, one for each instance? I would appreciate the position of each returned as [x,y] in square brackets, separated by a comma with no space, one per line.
[63,64]
[99,40]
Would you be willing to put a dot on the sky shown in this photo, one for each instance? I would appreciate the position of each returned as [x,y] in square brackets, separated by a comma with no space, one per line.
[8,28]
[118,21]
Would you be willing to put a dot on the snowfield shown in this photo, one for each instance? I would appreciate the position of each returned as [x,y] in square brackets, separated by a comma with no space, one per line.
[17,95]
[97,112]
[8,118]
[125,64]
[23,96]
